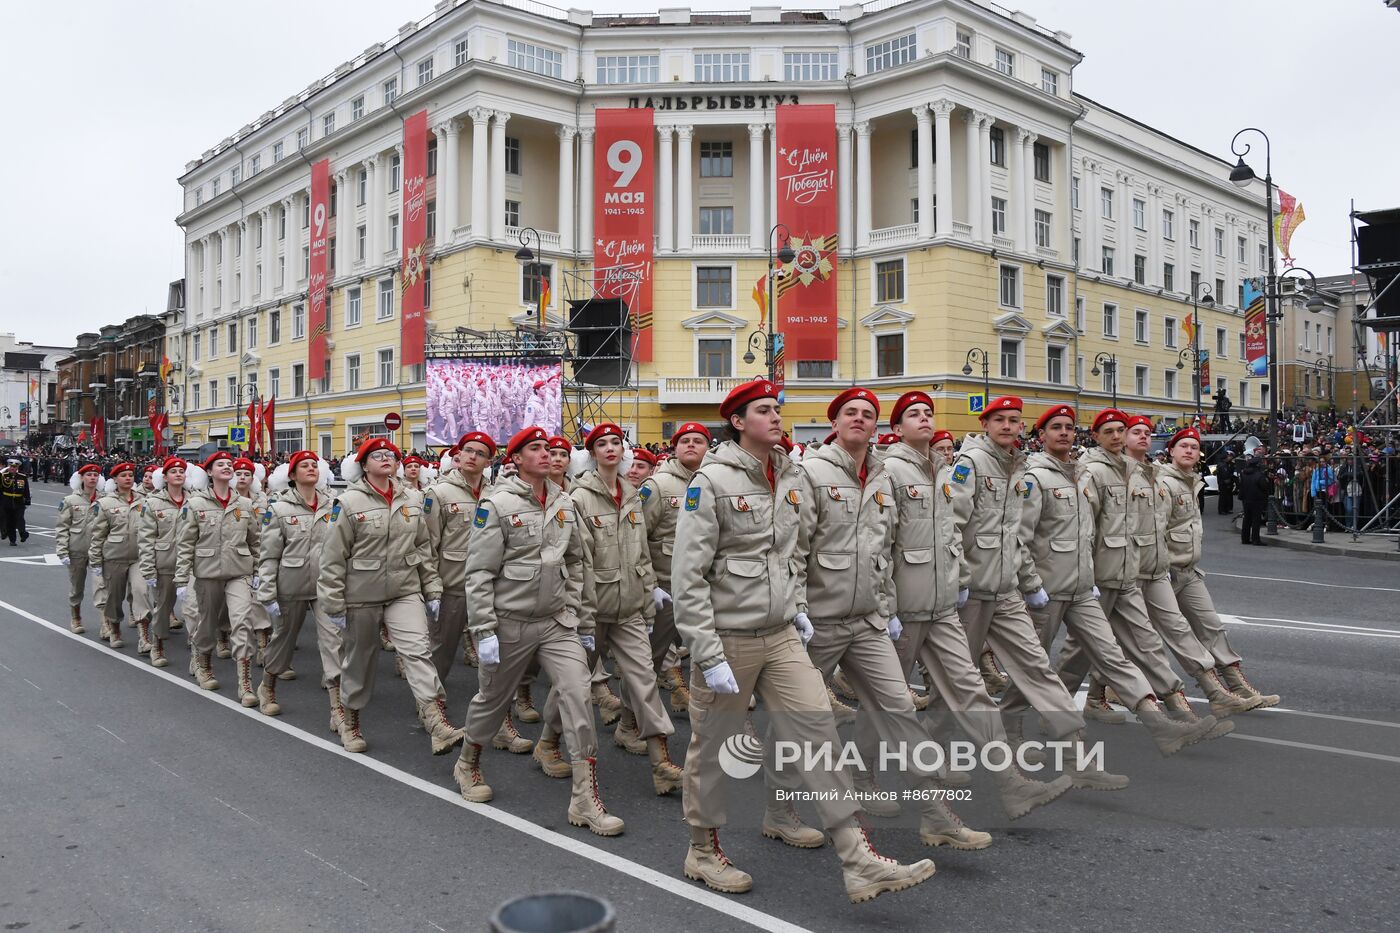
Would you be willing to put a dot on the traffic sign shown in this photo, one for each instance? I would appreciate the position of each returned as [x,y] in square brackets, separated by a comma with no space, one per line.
[393,420]
[976,402]
[238,434]
[166,434]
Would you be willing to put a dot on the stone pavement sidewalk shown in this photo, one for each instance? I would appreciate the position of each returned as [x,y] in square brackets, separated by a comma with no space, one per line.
[1338,543]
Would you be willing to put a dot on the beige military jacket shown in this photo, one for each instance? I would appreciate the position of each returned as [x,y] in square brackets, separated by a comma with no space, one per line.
[989,486]
[74,531]
[846,571]
[290,542]
[1057,529]
[1150,510]
[526,559]
[116,524]
[449,505]
[927,549]
[737,538]
[376,551]
[662,494]
[1184,518]
[216,542]
[617,573]
[159,532]
[1106,477]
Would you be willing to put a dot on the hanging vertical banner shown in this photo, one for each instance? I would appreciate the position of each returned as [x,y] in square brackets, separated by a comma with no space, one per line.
[807,207]
[316,274]
[623,227]
[414,212]
[1203,364]
[1256,337]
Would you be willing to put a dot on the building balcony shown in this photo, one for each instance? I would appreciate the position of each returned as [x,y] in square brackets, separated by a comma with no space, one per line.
[548,238]
[719,242]
[695,390]
[962,232]
[904,233]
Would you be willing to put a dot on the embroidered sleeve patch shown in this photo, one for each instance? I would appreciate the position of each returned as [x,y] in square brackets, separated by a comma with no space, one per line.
[692,499]
[267,517]
[335,511]
[960,473]
[481,515]
[1026,493]
[645,493]
[427,505]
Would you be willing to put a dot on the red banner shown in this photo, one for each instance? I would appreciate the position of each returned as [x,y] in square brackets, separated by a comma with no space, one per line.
[316,283]
[415,235]
[623,187]
[807,206]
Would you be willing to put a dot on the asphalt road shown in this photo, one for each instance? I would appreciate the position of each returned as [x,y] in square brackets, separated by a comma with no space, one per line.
[132,800]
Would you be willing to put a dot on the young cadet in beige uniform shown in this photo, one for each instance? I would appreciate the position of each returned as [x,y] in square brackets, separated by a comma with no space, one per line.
[617,601]
[845,577]
[1183,485]
[160,531]
[376,568]
[74,534]
[926,571]
[735,592]
[295,525]
[662,495]
[248,484]
[449,505]
[1154,568]
[1057,529]
[113,555]
[525,587]
[148,480]
[643,467]
[216,548]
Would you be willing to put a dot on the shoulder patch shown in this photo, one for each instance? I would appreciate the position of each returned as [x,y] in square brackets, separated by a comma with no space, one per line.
[479,521]
[335,510]
[1029,487]
[267,516]
[96,508]
[960,473]
[692,499]
[427,504]
[644,493]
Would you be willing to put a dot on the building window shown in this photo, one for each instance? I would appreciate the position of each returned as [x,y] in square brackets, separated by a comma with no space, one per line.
[1110,320]
[1074,192]
[216,187]
[384,307]
[395,172]
[213,393]
[716,220]
[276,153]
[914,210]
[198,196]
[1106,202]
[1139,214]
[1042,229]
[391,91]
[1010,359]
[386,368]
[1243,398]
[352,371]
[459,53]
[328,124]
[1169,276]
[1074,251]
[1222,337]
[425,71]
[532,278]
[963,46]
[1055,365]
[1140,326]
[889,280]
[512,213]
[361,187]
[891,53]
[1242,340]
[815,369]
[195,346]
[1195,282]
[250,332]
[393,232]
[1040,154]
[1169,225]
[1239,250]
[427,288]
[1140,269]
[997,146]
[1220,242]
[1140,381]
[717,160]
[1054,296]
[720,67]
[998,216]
[305,262]
[1220,290]
[303,138]
[1169,333]
[1009,286]
[715,357]
[274,382]
[1006,61]
[1107,260]
[629,69]
[195,399]
[889,355]
[714,286]
[1193,233]
[540,60]
[235,176]
[357,107]
[213,342]
[512,156]
[1079,314]
[298,321]
[360,242]
[298,380]
[809,66]
[353,305]
[1169,383]
[432,219]
[274,327]
[1049,81]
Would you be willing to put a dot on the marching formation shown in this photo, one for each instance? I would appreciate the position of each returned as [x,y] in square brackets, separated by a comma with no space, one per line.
[779,572]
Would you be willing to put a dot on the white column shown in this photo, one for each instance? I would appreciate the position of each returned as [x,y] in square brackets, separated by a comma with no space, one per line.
[1014,229]
[1228,269]
[665,199]
[294,239]
[1154,234]
[585,190]
[373,209]
[772,171]
[1090,250]
[226,268]
[1184,253]
[204,298]
[566,187]
[344,222]
[984,135]
[972,187]
[756,175]
[267,253]
[685,199]
[192,307]
[396,202]
[943,168]
[496,207]
[845,239]
[924,120]
[1027,140]
[1208,248]
[448,174]
[863,206]
[245,264]
[481,122]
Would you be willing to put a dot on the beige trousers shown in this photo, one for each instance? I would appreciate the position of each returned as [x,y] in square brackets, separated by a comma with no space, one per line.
[406,618]
[1005,626]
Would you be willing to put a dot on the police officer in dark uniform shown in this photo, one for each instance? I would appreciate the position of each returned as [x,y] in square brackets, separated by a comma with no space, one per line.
[14,499]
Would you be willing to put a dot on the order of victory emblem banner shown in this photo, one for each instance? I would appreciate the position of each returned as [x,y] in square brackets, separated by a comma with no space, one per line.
[807,206]
[623,185]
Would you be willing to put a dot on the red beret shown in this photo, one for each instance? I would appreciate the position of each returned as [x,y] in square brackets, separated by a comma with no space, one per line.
[1109,415]
[149,468]
[121,468]
[525,436]
[243,463]
[941,436]
[369,447]
[555,443]
[215,457]
[1136,420]
[904,401]
[171,463]
[1054,412]
[477,437]
[606,429]
[298,457]
[744,393]
[644,455]
[414,458]
[89,468]
[829,438]
[853,394]
[887,439]
[690,427]
[1182,435]
[1005,403]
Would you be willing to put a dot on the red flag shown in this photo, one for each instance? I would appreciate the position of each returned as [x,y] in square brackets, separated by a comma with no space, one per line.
[316,349]
[415,236]
[623,243]
[253,411]
[269,413]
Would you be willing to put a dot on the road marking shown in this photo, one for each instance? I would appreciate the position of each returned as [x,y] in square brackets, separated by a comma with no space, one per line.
[110,732]
[32,684]
[338,869]
[238,811]
[1317,631]
[1300,712]
[35,560]
[1316,748]
[163,768]
[67,707]
[1335,586]
[635,871]
[1323,625]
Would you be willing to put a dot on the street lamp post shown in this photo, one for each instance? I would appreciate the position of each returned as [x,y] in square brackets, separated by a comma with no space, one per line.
[978,355]
[525,256]
[1324,367]
[766,340]
[1109,362]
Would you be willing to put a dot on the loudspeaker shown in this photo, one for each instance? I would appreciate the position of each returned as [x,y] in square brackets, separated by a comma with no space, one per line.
[603,335]
[1378,255]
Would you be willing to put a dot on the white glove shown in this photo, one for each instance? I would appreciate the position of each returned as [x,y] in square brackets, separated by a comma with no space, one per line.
[720,678]
[488,651]
[337,621]
[273,610]
[64,561]
[180,592]
[660,597]
[895,628]
[96,570]
[962,596]
[588,642]
[1039,599]
[255,581]
[804,629]
[152,582]
[433,606]
[1096,592]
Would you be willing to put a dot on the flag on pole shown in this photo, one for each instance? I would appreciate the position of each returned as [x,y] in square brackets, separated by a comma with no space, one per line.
[269,414]
[545,298]
[254,409]
[760,297]
[1188,326]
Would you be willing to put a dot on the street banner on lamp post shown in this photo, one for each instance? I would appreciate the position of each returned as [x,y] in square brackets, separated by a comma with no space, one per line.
[316,260]
[623,186]
[1256,336]
[807,207]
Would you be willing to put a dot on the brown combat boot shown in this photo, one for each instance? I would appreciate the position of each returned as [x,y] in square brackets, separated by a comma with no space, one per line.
[351,739]
[1097,708]
[1085,772]
[525,709]
[143,636]
[867,873]
[223,647]
[204,672]
[705,861]
[841,711]
[288,674]
[996,681]
[841,686]
[467,771]
[267,696]
[246,694]
[469,652]
[1170,735]
[1222,701]
[1233,676]
[1179,708]
[609,705]
[76,625]
[1020,794]
[508,739]
[158,658]
[873,800]
[337,711]
[627,736]
[781,822]
[940,826]
[547,756]
[671,679]
[104,631]
[585,806]
[444,735]
[666,775]
[114,635]
[264,638]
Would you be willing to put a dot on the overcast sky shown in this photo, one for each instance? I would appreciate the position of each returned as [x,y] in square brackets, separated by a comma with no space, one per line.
[107,101]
